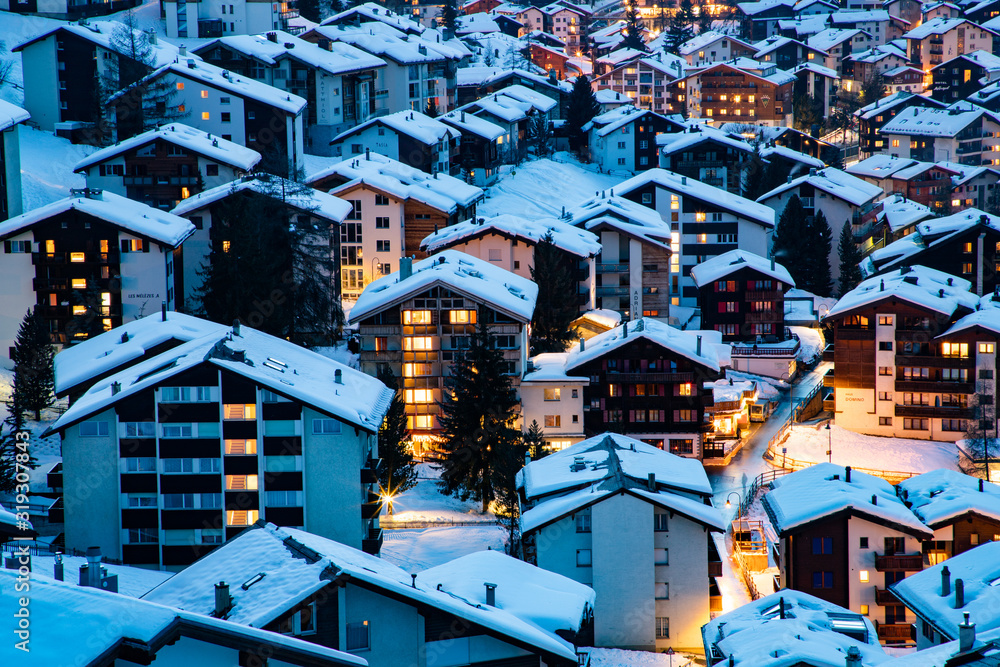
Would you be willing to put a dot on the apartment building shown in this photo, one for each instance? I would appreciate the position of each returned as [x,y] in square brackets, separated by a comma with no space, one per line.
[624,139]
[905,366]
[873,117]
[371,13]
[237,108]
[941,39]
[395,207]
[164,166]
[11,117]
[785,53]
[705,221]
[632,367]
[712,47]
[406,136]
[88,262]
[338,81]
[169,458]
[706,154]
[214,18]
[741,90]
[954,134]
[648,81]
[420,318]
[845,537]
[839,45]
[509,241]
[586,507]
[553,399]
[958,78]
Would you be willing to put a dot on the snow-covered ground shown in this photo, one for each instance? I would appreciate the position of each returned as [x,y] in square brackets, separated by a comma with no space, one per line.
[542,187]
[426,503]
[811,344]
[614,657]
[418,549]
[809,442]
[339,353]
[767,388]
[47,163]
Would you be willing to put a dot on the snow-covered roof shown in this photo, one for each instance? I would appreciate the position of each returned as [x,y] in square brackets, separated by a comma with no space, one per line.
[11,114]
[901,213]
[124,345]
[468,275]
[413,124]
[767,152]
[917,285]
[763,70]
[984,59]
[886,103]
[880,166]
[298,196]
[936,26]
[929,233]
[342,58]
[572,239]
[695,189]
[277,364]
[979,570]
[615,119]
[297,564]
[790,627]
[185,136]
[480,75]
[11,525]
[834,182]
[941,496]
[696,134]
[80,625]
[384,41]
[537,100]
[373,12]
[102,33]
[439,191]
[917,169]
[499,105]
[550,367]
[821,491]
[921,121]
[623,215]
[683,343]
[735,260]
[479,22]
[859,16]
[469,122]
[986,649]
[130,216]
[226,81]
[831,37]
[899,71]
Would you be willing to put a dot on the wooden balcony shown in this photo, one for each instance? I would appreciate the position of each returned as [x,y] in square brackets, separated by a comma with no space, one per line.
[715,568]
[895,633]
[650,377]
[883,597]
[907,562]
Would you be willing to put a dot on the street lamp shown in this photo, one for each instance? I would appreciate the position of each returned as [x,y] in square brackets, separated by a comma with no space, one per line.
[739,500]
[829,442]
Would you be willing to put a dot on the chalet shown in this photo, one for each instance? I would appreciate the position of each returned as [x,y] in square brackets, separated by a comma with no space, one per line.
[186,449]
[625,138]
[646,80]
[553,400]
[786,53]
[369,13]
[873,117]
[585,506]
[959,77]
[481,146]
[509,241]
[838,45]
[712,47]
[339,81]
[632,368]
[705,154]
[904,79]
[720,92]
[11,116]
[477,82]
[941,39]
[876,23]
[420,318]
[164,166]
[881,59]
[335,596]
[88,262]
[926,183]
[407,136]
[845,538]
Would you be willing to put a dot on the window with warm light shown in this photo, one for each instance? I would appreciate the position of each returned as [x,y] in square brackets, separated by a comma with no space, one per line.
[420,422]
[863,575]
[204,94]
[702,238]
[79,310]
[552,394]
[416,317]
[685,389]
[418,343]
[241,447]
[180,85]
[77,257]
[959,350]
[226,245]
[986,348]
[205,115]
[185,193]
[699,216]
[675,203]
[78,283]
[239,411]
[417,370]
[419,396]
[241,517]
[241,482]
[462,316]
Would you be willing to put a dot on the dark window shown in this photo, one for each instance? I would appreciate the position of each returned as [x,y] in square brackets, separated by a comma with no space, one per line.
[357,636]
[211,170]
[822,579]
[863,543]
[822,545]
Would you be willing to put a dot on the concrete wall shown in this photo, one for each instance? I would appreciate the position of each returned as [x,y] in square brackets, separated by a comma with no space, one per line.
[396,630]
[861,560]
[91,492]
[687,577]
[41,96]
[17,294]
[144,280]
[12,167]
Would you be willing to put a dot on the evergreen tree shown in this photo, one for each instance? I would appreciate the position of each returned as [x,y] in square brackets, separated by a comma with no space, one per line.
[449,17]
[506,503]
[873,89]
[704,20]
[33,377]
[534,441]
[539,135]
[269,266]
[807,112]
[993,202]
[477,420]
[15,453]
[758,177]
[309,10]
[678,32]
[789,240]
[583,107]
[399,470]
[981,446]
[633,29]
[431,110]
[819,244]
[850,257]
[556,306]
[832,157]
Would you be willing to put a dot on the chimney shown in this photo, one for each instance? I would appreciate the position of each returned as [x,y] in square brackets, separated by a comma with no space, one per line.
[781,607]
[191,63]
[959,594]
[874,499]
[651,481]
[151,34]
[125,340]
[413,580]
[552,75]
[93,573]
[115,387]
[980,485]
[182,50]
[966,634]
[491,595]
[163,311]
[812,171]
[223,601]
[368,154]
[847,474]
[772,262]
[58,573]
[697,349]
[684,180]
[272,37]
[236,327]
[625,330]
[853,657]
[583,344]
[338,376]
[945,581]
[405,268]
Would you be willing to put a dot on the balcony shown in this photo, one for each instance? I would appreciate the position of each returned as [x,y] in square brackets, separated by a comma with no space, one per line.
[373,543]
[162,180]
[764,295]
[372,508]
[65,258]
[612,268]
[907,562]
[369,474]
[934,411]
[612,291]
[935,386]
[844,333]
[650,377]
[883,597]
[895,633]
[381,356]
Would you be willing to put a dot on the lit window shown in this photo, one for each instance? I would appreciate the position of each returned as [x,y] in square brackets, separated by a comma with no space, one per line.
[78,283]
[241,482]
[419,395]
[204,94]
[462,316]
[204,115]
[417,370]
[416,317]
[180,85]
[699,217]
[864,576]
[420,422]
[241,517]
[185,193]
[77,257]
[417,343]
[241,447]
[702,238]
[226,245]
[552,394]
[239,411]
[685,389]
[986,348]
[864,607]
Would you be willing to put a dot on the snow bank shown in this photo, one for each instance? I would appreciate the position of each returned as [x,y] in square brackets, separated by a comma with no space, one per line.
[541,188]
[47,164]
[811,344]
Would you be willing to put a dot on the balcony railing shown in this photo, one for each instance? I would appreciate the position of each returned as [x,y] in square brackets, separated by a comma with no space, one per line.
[907,562]
[369,474]
[612,291]
[934,411]
[895,633]
[67,258]
[612,268]
[759,351]
[382,356]
[883,597]
[373,543]
[650,377]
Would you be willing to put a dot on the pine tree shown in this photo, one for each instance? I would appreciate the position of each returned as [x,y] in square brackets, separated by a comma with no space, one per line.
[539,135]
[819,240]
[832,157]
[583,107]
[33,377]
[431,110]
[874,88]
[269,267]
[633,29]
[449,17]
[309,10]
[754,178]
[556,305]
[506,503]
[850,257]
[789,240]
[704,20]
[11,448]
[477,420]
[981,446]
[679,29]
[993,202]
[399,470]
[534,441]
